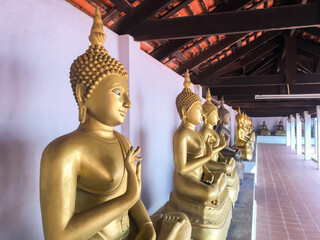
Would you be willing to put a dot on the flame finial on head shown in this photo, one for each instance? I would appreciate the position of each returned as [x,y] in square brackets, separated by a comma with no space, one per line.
[222,101]
[208,96]
[187,82]
[97,35]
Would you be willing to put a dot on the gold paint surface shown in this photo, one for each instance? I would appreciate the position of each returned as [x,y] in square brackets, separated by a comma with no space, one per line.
[90,179]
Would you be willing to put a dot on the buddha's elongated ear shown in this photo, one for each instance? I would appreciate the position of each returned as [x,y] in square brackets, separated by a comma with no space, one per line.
[80,92]
[184,114]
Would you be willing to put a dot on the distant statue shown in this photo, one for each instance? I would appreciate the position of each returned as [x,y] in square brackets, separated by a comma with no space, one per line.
[199,193]
[264,131]
[280,130]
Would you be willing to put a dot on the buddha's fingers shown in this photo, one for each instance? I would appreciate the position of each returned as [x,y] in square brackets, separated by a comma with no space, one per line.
[138,173]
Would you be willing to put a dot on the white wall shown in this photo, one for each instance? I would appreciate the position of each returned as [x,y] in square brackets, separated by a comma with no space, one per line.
[271,122]
[39,41]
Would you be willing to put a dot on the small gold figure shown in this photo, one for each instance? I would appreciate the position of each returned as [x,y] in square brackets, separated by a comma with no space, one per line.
[264,131]
[218,162]
[200,194]
[90,179]
[242,137]
[280,130]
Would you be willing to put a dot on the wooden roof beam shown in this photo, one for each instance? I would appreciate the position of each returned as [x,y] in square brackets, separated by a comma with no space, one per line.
[139,15]
[264,90]
[211,51]
[174,45]
[260,80]
[209,72]
[123,5]
[306,15]
[309,47]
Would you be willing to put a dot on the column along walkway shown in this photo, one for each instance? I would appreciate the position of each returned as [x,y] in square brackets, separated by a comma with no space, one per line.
[287,195]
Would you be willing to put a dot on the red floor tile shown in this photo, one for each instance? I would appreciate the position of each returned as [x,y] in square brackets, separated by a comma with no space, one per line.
[287,195]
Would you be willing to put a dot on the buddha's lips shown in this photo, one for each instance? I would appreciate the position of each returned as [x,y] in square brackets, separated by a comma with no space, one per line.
[123,113]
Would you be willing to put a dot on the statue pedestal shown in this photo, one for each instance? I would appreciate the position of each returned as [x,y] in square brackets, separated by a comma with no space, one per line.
[280,133]
[246,153]
[233,187]
[208,221]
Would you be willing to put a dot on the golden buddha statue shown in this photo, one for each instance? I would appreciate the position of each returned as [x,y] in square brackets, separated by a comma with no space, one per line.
[200,194]
[242,140]
[89,179]
[228,151]
[218,162]
[264,131]
[280,130]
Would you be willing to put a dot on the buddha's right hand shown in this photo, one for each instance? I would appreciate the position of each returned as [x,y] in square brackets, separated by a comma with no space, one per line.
[223,140]
[209,147]
[134,173]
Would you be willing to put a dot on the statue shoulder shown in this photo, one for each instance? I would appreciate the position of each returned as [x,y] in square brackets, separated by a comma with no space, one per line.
[65,148]
[126,141]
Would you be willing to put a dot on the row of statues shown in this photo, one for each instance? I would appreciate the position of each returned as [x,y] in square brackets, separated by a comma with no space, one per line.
[245,135]
[90,179]
[264,131]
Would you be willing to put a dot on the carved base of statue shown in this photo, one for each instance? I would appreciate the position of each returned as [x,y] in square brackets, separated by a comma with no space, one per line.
[264,133]
[280,133]
[233,186]
[246,153]
[208,221]
[240,170]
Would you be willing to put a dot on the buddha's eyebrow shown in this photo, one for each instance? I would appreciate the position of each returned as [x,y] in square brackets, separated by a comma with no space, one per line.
[116,85]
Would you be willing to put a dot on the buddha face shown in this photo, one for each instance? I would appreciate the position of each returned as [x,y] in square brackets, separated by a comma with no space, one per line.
[226,119]
[194,114]
[109,102]
[213,118]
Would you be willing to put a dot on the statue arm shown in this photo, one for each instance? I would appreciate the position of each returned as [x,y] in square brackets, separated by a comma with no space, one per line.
[58,184]
[139,214]
[182,166]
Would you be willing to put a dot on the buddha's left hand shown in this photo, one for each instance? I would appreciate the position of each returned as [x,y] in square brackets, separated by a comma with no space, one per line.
[146,232]
[208,177]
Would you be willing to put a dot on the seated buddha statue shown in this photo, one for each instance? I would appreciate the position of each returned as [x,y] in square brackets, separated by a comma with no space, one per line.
[200,194]
[242,141]
[224,120]
[250,135]
[218,162]
[90,178]
[280,130]
[228,151]
[264,131]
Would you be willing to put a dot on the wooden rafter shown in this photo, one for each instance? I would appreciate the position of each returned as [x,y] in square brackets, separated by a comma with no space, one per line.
[235,56]
[261,80]
[279,18]
[174,45]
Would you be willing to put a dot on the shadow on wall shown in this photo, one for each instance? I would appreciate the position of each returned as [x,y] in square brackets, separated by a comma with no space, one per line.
[20,216]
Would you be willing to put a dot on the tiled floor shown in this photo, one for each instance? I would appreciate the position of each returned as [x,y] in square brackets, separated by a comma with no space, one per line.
[287,195]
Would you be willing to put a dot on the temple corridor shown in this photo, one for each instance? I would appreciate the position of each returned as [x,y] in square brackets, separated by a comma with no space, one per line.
[287,195]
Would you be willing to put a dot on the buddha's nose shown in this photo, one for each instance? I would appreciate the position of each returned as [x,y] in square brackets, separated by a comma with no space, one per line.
[127,102]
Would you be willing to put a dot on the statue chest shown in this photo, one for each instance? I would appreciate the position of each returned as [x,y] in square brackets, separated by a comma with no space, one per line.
[195,145]
[102,169]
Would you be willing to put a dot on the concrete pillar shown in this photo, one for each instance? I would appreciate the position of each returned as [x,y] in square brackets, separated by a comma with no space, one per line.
[288,129]
[299,134]
[292,133]
[318,136]
[307,135]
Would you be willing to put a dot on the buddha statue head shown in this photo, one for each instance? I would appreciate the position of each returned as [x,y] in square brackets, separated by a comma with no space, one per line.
[239,117]
[189,104]
[224,114]
[210,111]
[95,73]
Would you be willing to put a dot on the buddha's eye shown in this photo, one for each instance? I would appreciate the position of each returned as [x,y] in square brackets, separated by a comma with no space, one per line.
[117,92]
